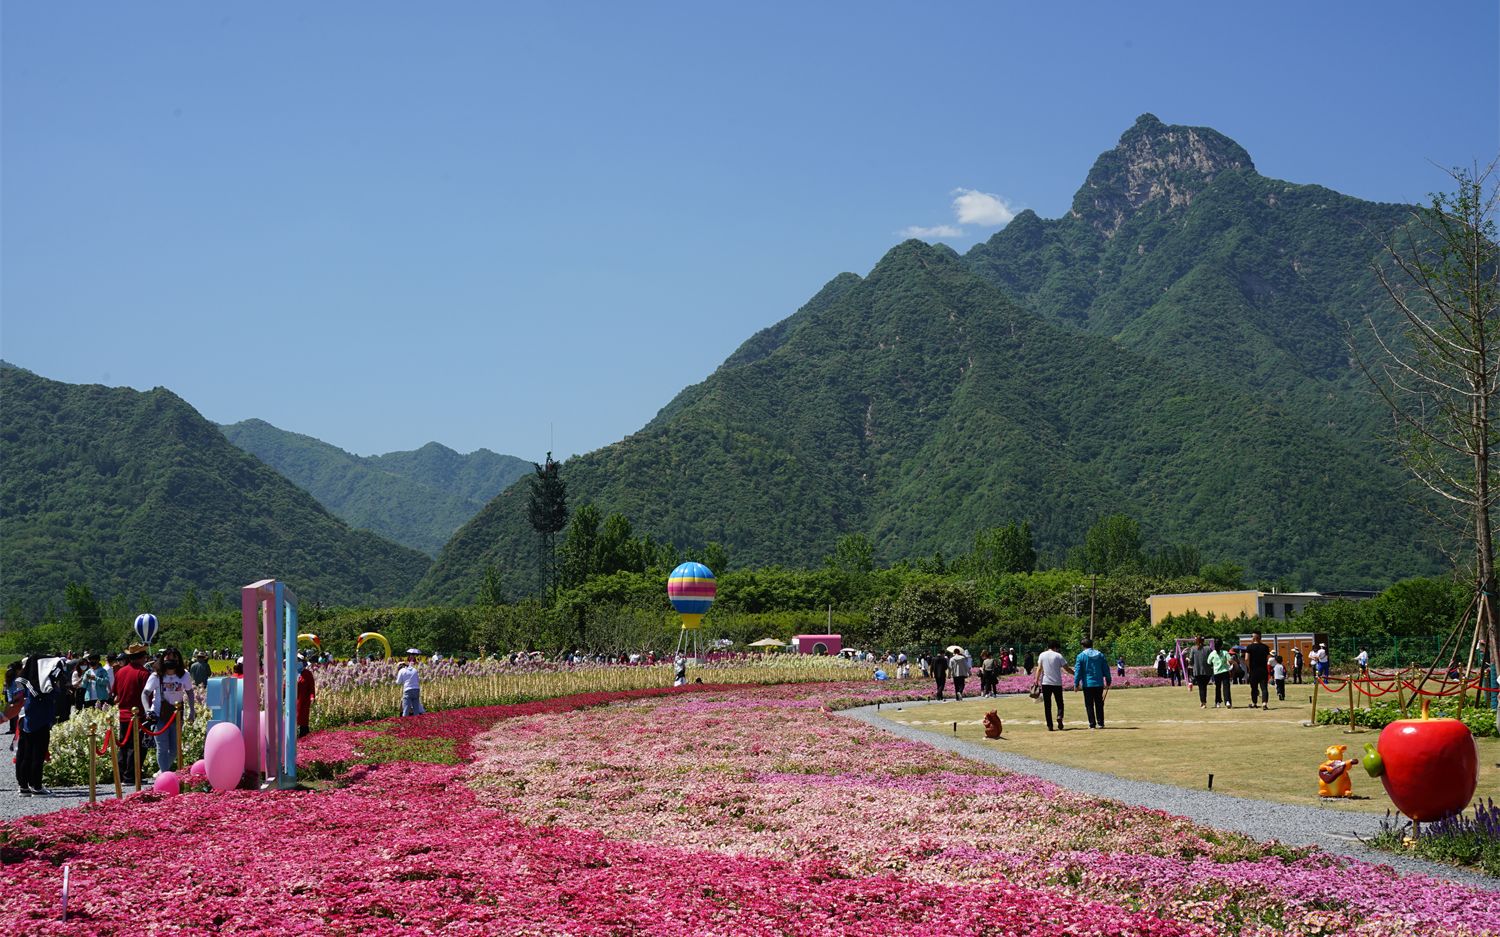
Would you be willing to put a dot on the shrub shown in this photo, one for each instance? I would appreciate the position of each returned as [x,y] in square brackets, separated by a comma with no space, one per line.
[1480,720]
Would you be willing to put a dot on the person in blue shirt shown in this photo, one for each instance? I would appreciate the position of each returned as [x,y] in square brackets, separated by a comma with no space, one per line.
[1091,675]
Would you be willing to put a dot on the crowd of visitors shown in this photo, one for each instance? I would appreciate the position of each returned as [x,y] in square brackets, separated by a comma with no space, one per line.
[1255,665]
[42,692]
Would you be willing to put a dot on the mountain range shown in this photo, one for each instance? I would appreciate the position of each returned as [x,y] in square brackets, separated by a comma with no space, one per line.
[415,498]
[137,494]
[1174,348]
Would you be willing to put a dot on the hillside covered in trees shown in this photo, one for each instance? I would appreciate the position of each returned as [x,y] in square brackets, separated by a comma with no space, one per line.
[416,498]
[137,494]
[1173,349]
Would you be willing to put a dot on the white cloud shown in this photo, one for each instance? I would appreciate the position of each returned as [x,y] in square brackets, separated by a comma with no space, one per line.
[982,208]
[936,231]
[970,207]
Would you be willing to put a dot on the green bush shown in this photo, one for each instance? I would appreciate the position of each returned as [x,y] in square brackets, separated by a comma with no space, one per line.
[69,748]
[1480,720]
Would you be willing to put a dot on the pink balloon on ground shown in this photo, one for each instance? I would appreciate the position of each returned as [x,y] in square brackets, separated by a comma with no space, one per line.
[199,769]
[167,782]
[224,756]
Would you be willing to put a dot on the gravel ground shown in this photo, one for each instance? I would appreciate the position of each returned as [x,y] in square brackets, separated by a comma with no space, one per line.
[1333,830]
[13,806]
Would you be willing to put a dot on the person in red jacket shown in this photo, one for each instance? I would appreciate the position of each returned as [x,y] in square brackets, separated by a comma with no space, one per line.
[306,690]
[129,683]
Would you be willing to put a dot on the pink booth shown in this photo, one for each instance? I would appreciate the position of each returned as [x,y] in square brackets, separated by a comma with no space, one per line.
[818,643]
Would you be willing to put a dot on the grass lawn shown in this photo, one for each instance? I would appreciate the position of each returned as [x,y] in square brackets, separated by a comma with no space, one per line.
[1160,734]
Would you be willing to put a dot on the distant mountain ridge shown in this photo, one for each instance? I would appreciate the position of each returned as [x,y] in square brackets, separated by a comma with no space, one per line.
[137,494]
[1173,348]
[1178,249]
[416,498]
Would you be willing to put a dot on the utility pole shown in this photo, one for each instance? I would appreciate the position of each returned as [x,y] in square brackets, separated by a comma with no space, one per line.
[1093,592]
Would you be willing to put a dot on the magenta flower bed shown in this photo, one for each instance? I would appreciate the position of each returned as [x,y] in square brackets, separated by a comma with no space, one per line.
[704,810]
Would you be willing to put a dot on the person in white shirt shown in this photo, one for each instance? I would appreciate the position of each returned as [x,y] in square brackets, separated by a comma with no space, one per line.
[166,689]
[411,685]
[1049,672]
[959,668]
[1364,662]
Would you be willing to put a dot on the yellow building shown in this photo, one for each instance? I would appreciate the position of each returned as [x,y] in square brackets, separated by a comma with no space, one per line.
[1248,603]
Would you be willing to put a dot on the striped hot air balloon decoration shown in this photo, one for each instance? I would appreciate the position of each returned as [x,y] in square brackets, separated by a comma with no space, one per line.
[691,589]
[146,627]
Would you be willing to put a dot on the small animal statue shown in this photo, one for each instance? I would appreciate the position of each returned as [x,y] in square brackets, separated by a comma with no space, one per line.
[1333,774]
[992,725]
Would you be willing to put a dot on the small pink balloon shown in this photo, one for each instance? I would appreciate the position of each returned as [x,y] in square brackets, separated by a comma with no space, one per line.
[167,783]
[199,769]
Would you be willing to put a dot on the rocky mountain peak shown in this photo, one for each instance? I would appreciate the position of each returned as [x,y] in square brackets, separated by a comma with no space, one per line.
[1163,166]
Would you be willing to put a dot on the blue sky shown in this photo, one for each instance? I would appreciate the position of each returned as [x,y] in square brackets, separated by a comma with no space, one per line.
[510,226]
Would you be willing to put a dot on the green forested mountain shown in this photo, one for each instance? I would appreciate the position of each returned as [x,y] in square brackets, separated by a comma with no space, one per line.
[137,494]
[1177,248]
[1171,350]
[416,498]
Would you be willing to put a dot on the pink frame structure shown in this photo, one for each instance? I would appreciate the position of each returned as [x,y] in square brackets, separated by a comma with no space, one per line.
[268,619]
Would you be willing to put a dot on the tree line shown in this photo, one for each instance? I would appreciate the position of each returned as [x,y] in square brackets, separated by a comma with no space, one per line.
[607,592]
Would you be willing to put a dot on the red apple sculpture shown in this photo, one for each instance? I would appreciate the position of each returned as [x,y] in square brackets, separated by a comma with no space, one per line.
[1430,767]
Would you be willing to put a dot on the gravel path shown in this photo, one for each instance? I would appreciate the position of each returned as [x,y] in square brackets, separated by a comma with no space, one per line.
[13,806]
[1333,830]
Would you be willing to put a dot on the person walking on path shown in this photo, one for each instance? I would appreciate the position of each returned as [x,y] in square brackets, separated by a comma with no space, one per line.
[1363,659]
[1200,663]
[1222,663]
[939,665]
[959,669]
[1049,671]
[411,685]
[1279,673]
[306,690]
[1091,674]
[1296,665]
[989,674]
[1257,661]
[164,693]
[38,714]
[130,680]
[1174,670]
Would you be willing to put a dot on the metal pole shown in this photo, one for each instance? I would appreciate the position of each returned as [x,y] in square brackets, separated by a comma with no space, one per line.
[1316,680]
[136,726]
[1350,684]
[93,763]
[1093,591]
[114,759]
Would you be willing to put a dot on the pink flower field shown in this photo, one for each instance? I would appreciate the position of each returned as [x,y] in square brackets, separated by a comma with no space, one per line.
[704,810]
